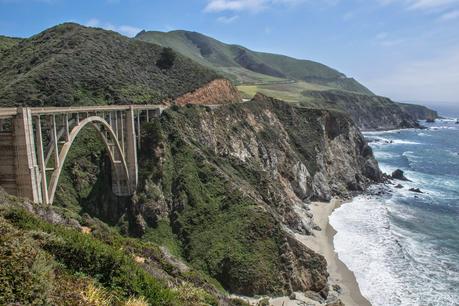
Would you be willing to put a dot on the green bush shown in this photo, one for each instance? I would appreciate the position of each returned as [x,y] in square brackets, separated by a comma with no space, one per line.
[109,265]
[26,272]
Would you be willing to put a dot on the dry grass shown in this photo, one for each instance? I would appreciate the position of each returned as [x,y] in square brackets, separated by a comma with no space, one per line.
[139,301]
[96,296]
[288,91]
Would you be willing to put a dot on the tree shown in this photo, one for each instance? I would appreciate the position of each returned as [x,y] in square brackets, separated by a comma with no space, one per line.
[166,59]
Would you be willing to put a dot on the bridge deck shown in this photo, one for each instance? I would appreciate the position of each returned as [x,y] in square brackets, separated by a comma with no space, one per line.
[8,112]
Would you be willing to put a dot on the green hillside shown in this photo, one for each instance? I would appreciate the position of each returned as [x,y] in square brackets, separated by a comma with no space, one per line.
[245,66]
[74,65]
[7,42]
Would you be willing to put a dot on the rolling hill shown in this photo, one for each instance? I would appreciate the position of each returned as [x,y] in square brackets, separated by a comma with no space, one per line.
[244,66]
[70,64]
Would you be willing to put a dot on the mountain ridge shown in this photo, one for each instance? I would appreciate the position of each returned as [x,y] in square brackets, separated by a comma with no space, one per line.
[70,64]
[234,60]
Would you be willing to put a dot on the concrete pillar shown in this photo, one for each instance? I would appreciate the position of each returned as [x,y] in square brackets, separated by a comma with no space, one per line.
[41,161]
[131,149]
[27,173]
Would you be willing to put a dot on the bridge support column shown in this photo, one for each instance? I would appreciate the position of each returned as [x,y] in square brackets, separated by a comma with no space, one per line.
[27,174]
[131,149]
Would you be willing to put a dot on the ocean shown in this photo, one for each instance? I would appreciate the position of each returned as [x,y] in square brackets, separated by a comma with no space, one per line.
[403,246]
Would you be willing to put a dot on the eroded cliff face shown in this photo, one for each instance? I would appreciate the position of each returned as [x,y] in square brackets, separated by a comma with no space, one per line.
[368,112]
[233,179]
[219,91]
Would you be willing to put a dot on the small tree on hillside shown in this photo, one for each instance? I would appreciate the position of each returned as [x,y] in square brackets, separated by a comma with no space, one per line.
[166,59]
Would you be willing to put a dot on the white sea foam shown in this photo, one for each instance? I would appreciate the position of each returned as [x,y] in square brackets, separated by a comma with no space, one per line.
[403,142]
[385,168]
[385,155]
[382,141]
[392,266]
[386,132]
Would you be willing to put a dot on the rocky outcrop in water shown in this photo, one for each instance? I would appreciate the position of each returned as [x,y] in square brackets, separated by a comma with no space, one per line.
[399,175]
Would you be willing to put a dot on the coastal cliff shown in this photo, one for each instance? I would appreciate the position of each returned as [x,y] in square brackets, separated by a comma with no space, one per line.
[368,112]
[231,180]
[419,112]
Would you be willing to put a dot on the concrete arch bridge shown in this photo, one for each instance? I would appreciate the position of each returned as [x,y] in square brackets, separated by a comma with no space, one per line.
[34,143]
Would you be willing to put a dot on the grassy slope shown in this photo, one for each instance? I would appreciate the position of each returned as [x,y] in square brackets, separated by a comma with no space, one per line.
[289,92]
[73,65]
[245,66]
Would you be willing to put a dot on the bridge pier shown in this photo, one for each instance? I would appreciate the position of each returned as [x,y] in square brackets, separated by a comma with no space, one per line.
[26,163]
[131,149]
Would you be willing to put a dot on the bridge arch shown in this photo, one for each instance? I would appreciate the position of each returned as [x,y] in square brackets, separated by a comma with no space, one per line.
[106,133]
[32,137]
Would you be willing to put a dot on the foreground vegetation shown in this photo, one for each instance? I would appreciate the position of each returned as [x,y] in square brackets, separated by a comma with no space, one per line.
[50,260]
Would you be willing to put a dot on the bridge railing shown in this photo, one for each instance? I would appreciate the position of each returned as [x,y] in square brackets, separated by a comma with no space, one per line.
[8,112]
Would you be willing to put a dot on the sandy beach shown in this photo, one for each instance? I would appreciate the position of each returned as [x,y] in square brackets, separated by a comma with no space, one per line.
[322,243]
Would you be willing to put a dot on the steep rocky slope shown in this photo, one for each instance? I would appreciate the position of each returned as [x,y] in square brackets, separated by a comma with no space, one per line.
[73,65]
[233,177]
[246,66]
[218,91]
[368,112]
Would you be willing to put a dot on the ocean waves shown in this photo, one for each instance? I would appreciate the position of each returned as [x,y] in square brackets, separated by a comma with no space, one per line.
[392,265]
[403,246]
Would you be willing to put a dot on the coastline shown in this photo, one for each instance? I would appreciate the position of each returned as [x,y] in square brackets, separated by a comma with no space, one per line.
[322,243]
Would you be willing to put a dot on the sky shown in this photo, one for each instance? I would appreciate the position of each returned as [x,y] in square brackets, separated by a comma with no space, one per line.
[407,50]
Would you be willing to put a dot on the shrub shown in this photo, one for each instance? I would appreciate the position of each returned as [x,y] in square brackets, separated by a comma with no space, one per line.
[26,273]
[109,265]
[193,296]
[136,302]
[96,296]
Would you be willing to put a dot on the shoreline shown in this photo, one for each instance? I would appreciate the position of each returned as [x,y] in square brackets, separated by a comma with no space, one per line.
[322,243]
